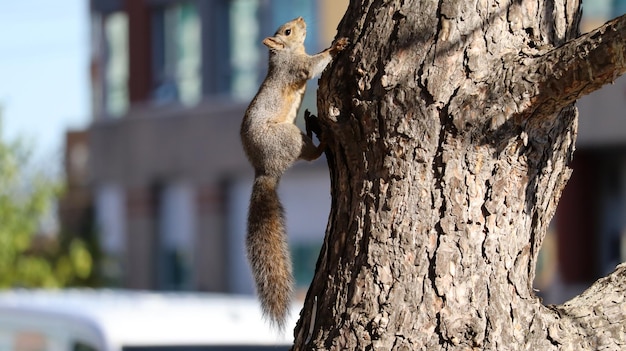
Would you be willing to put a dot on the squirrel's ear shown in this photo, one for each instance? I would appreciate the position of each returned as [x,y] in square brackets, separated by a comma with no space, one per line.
[273,44]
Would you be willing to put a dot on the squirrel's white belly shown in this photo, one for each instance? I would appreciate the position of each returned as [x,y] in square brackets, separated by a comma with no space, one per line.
[295,104]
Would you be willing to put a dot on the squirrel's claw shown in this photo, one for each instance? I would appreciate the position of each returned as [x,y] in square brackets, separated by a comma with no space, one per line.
[340,44]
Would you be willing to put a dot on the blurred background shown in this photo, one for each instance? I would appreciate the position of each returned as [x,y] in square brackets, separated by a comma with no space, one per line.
[126,113]
[122,167]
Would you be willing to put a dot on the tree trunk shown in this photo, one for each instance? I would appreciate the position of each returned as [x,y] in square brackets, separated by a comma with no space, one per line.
[450,126]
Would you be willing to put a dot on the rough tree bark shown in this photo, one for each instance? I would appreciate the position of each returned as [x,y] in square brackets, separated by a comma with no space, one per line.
[450,127]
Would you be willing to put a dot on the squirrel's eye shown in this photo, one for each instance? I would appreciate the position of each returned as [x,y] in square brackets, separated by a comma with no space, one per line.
[287,31]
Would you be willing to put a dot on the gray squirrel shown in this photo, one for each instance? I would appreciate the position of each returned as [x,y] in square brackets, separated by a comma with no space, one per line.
[272,143]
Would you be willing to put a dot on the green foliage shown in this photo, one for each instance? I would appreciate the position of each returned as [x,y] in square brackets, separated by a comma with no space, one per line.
[26,196]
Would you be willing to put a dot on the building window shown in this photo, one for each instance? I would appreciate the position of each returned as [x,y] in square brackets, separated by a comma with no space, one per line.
[115,64]
[244,51]
[619,7]
[177,59]
[111,226]
[597,8]
[304,256]
[176,236]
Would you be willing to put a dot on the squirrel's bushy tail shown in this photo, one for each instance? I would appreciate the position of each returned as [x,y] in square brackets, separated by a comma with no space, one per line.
[268,251]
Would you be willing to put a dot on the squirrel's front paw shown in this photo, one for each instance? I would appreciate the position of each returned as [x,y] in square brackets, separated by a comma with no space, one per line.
[340,44]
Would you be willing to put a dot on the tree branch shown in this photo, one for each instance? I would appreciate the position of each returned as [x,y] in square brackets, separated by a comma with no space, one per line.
[600,311]
[577,68]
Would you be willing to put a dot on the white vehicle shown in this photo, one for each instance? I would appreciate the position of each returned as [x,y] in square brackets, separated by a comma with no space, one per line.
[114,320]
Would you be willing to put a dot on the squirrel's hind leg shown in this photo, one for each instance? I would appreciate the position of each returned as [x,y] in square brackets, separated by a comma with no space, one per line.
[309,151]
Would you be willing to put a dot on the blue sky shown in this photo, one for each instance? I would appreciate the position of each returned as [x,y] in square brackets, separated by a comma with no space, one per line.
[44,72]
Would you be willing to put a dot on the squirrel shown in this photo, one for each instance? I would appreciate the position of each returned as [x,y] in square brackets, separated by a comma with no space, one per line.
[272,143]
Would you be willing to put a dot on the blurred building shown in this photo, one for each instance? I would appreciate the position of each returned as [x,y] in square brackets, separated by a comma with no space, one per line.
[171,80]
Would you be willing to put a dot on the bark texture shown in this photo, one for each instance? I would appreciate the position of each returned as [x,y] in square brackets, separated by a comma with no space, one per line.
[450,128]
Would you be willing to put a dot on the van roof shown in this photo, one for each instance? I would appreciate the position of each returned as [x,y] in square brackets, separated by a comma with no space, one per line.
[151,318]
